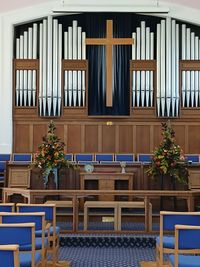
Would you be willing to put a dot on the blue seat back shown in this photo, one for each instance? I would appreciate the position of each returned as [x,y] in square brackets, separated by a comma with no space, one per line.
[169,221]
[104,157]
[7,256]
[83,157]
[47,209]
[193,158]
[189,239]
[144,157]
[15,235]
[69,157]
[6,207]
[5,157]
[22,157]
[22,218]
[2,166]
[125,157]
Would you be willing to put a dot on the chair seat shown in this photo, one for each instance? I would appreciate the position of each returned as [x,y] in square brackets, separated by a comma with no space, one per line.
[186,260]
[1,178]
[38,233]
[25,259]
[168,241]
[38,244]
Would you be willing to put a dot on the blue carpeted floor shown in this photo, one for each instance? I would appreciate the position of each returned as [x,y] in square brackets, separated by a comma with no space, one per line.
[106,257]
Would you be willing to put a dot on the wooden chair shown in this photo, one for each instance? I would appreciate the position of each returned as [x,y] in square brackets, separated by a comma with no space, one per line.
[41,243]
[5,157]
[69,157]
[193,158]
[168,220]
[187,241]
[21,234]
[50,216]
[83,157]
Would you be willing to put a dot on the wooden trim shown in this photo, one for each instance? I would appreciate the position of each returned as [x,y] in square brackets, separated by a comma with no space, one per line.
[143,65]
[74,64]
[190,65]
[26,64]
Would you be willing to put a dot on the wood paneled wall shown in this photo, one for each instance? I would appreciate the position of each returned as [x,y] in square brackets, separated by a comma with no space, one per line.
[113,135]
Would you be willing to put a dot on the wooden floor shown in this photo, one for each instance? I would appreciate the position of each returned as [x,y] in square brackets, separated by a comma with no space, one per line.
[151,264]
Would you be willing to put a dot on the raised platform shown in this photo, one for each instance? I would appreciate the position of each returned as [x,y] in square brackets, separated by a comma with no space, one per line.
[152,264]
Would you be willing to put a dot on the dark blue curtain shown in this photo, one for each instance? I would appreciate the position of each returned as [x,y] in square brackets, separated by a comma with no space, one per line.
[96,28]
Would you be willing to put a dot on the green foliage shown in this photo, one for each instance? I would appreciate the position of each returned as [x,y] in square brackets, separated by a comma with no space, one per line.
[168,158]
[50,154]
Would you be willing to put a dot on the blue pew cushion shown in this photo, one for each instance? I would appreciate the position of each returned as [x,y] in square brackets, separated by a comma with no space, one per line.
[168,241]
[186,260]
[25,259]
[38,233]
[38,244]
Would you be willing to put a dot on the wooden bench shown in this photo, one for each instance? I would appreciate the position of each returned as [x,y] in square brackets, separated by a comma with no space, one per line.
[132,205]
[60,204]
[100,204]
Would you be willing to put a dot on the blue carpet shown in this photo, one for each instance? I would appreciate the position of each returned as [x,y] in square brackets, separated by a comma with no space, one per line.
[106,257]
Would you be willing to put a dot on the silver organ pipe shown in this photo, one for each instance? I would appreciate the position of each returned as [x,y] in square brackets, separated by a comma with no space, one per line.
[49,64]
[134,74]
[17,72]
[151,72]
[59,67]
[30,56]
[34,57]
[41,70]
[79,72]
[21,78]
[70,72]
[25,71]
[55,65]
[74,81]
[158,69]
[83,51]
[74,56]
[183,58]
[168,68]
[143,49]
[196,57]
[190,79]
[44,67]
[66,72]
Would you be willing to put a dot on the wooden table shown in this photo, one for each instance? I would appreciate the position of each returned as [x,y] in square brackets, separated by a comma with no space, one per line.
[106,181]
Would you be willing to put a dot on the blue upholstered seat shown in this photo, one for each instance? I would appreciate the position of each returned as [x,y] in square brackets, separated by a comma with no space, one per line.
[7,207]
[144,157]
[5,157]
[83,157]
[168,241]
[187,242]
[125,157]
[38,244]
[104,157]
[194,158]
[22,157]
[69,157]
[38,233]
[25,259]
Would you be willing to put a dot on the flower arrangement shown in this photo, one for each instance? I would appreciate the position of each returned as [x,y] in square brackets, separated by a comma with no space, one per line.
[168,158]
[50,154]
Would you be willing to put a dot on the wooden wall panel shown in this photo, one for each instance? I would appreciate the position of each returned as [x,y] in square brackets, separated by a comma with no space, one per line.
[91,138]
[193,139]
[39,130]
[74,139]
[108,139]
[22,138]
[125,139]
[143,139]
[157,136]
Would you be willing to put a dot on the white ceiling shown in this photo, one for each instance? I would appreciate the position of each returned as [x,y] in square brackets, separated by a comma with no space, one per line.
[9,5]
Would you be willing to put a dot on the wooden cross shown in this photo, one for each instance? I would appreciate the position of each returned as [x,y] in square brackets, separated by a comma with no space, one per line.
[109,41]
